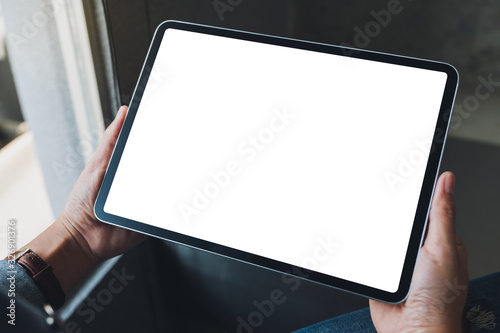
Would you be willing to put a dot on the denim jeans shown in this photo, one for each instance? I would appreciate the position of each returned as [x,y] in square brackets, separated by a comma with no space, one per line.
[482,311]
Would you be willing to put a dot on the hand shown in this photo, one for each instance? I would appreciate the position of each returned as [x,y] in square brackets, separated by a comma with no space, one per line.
[77,241]
[439,286]
[102,240]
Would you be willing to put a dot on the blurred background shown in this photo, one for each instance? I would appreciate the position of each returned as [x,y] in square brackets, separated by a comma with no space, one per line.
[66,66]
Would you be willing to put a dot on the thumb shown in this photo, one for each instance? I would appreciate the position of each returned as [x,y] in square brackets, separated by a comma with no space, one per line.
[107,144]
[111,134]
[442,215]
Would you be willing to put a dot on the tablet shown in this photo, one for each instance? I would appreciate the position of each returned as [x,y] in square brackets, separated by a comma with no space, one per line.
[313,160]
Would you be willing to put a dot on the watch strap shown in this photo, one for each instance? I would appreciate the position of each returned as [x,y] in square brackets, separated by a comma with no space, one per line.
[43,275]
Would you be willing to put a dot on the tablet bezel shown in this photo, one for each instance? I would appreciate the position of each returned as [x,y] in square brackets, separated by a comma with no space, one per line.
[426,193]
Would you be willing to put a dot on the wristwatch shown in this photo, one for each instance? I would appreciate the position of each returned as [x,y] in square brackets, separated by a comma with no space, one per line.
[42,275]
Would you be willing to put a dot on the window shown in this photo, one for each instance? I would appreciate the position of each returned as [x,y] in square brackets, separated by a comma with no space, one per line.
[11,119]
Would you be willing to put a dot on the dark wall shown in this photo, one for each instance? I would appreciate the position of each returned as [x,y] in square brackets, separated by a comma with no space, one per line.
[9,102]
[463,33]
[132,26]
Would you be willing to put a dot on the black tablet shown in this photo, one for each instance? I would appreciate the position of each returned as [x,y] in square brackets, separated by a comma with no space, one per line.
[314,160]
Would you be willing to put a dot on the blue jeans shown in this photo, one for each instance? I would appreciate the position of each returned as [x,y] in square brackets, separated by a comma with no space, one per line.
[482,312]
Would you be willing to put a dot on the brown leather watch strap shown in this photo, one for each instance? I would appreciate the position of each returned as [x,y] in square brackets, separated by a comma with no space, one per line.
[43,276]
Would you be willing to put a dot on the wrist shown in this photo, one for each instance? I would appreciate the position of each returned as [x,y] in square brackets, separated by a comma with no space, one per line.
[79,243]
[439,330]
[42,275]
[452,327]
[65,252]
[432,319]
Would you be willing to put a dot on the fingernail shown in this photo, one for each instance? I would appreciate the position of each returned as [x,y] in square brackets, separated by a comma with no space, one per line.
[120,110]
[449,183]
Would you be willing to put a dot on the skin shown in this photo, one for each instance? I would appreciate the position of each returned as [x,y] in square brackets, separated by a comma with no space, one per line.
[439,286]
[77,241]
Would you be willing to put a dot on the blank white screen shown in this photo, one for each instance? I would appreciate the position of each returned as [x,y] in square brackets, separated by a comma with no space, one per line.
[316,173]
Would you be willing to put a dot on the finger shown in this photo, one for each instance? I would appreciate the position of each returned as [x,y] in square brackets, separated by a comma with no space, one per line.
[442,215]
[108,141]
[111,133]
